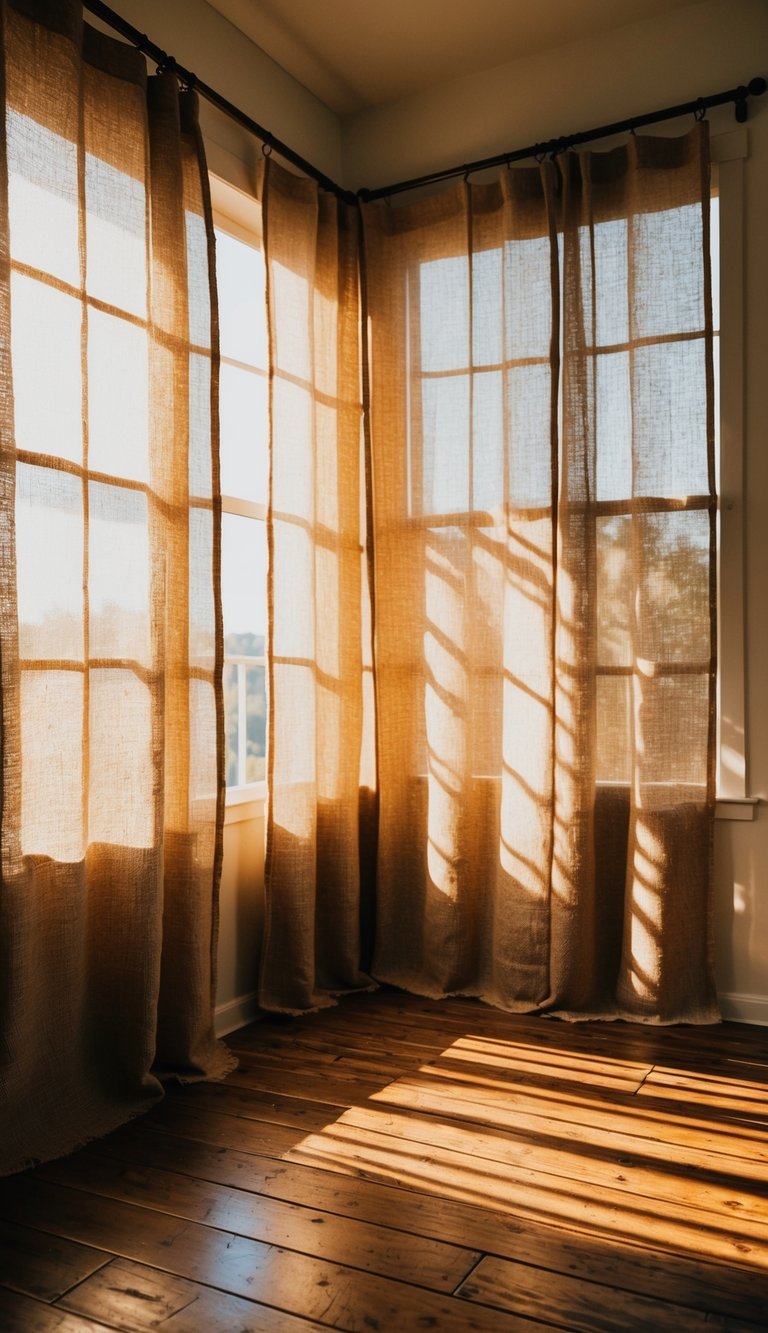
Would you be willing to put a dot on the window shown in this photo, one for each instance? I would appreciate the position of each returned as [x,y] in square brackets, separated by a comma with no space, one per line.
[445,484]
[83,495]
[243,419]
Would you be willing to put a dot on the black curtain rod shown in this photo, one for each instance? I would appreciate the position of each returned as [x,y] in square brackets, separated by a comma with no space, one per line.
[755,88]
[738,96]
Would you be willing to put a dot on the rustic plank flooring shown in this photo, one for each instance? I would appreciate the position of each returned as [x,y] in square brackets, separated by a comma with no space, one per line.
[396,1164]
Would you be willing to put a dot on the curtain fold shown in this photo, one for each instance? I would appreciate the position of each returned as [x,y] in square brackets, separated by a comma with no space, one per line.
[110,620]
[544,515]
[321,803]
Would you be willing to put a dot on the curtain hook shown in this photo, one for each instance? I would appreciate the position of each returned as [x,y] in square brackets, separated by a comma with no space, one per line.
[701,111]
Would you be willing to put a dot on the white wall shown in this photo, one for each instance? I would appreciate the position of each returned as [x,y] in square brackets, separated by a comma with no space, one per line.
[683,54]
[658,62]
[209,46]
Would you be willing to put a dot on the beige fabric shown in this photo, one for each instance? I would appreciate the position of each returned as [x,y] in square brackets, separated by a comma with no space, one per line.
[544,584]
[111,647]
[320,810]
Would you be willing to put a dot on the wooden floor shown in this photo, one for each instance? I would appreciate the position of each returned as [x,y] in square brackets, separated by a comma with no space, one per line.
[395,1164]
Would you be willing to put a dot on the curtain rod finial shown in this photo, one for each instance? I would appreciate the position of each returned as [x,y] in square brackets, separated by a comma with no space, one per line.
[755,88]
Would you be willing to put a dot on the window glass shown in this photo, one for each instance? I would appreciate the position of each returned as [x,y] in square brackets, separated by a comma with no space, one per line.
[243,431]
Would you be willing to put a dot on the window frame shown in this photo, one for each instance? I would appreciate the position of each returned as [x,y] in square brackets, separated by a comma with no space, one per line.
[728,153]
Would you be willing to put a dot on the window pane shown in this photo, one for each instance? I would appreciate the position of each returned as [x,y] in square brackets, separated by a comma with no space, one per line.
[118,573]
[42,198]
[118,397]
[242,305]
[244,422]
[121,808]
[116,223]
[256,724]
[52,705]
[244,584]
[244,577]
[49,563]
[45,345]
[231,713]
[443,314]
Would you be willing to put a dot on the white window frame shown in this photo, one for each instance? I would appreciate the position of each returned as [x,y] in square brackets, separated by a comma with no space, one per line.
[237,212]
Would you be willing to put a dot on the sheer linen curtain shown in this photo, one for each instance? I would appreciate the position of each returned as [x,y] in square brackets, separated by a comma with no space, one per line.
[541,410]
[321,805]
[109,616]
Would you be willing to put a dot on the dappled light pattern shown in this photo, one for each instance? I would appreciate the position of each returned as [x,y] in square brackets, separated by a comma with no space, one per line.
[664,1155]
[110,639]
[544,539]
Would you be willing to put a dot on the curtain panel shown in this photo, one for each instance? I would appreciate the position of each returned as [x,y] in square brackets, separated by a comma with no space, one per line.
[542,535]
[321,802]
[110,631]
[545,537]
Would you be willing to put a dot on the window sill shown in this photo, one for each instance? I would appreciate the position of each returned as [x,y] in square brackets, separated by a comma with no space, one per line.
[736,807]
[244,803]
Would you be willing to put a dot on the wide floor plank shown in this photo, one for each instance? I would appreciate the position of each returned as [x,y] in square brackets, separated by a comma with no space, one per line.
[130,1296]
[397,1163]
[630,1268]
[590,1307]
[42,1265]
[315,1231]
[297,1283]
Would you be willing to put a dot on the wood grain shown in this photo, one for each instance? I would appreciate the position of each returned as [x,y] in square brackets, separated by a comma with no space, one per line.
[401,1164]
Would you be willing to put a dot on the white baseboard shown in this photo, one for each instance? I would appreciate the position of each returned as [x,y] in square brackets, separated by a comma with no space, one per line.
[236,1013]
[744,1008]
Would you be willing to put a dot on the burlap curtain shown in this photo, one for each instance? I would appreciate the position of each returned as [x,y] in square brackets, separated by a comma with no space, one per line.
[544,538]
[320,778]
[111,651]
[540,417]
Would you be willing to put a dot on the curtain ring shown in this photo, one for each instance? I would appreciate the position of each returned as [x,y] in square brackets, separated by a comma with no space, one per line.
[700,112]
[266,147]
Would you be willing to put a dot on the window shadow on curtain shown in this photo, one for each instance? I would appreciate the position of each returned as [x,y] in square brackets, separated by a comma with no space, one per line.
[111,646]
[544,535]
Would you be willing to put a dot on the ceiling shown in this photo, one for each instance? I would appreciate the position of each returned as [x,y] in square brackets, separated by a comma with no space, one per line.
[354,54]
